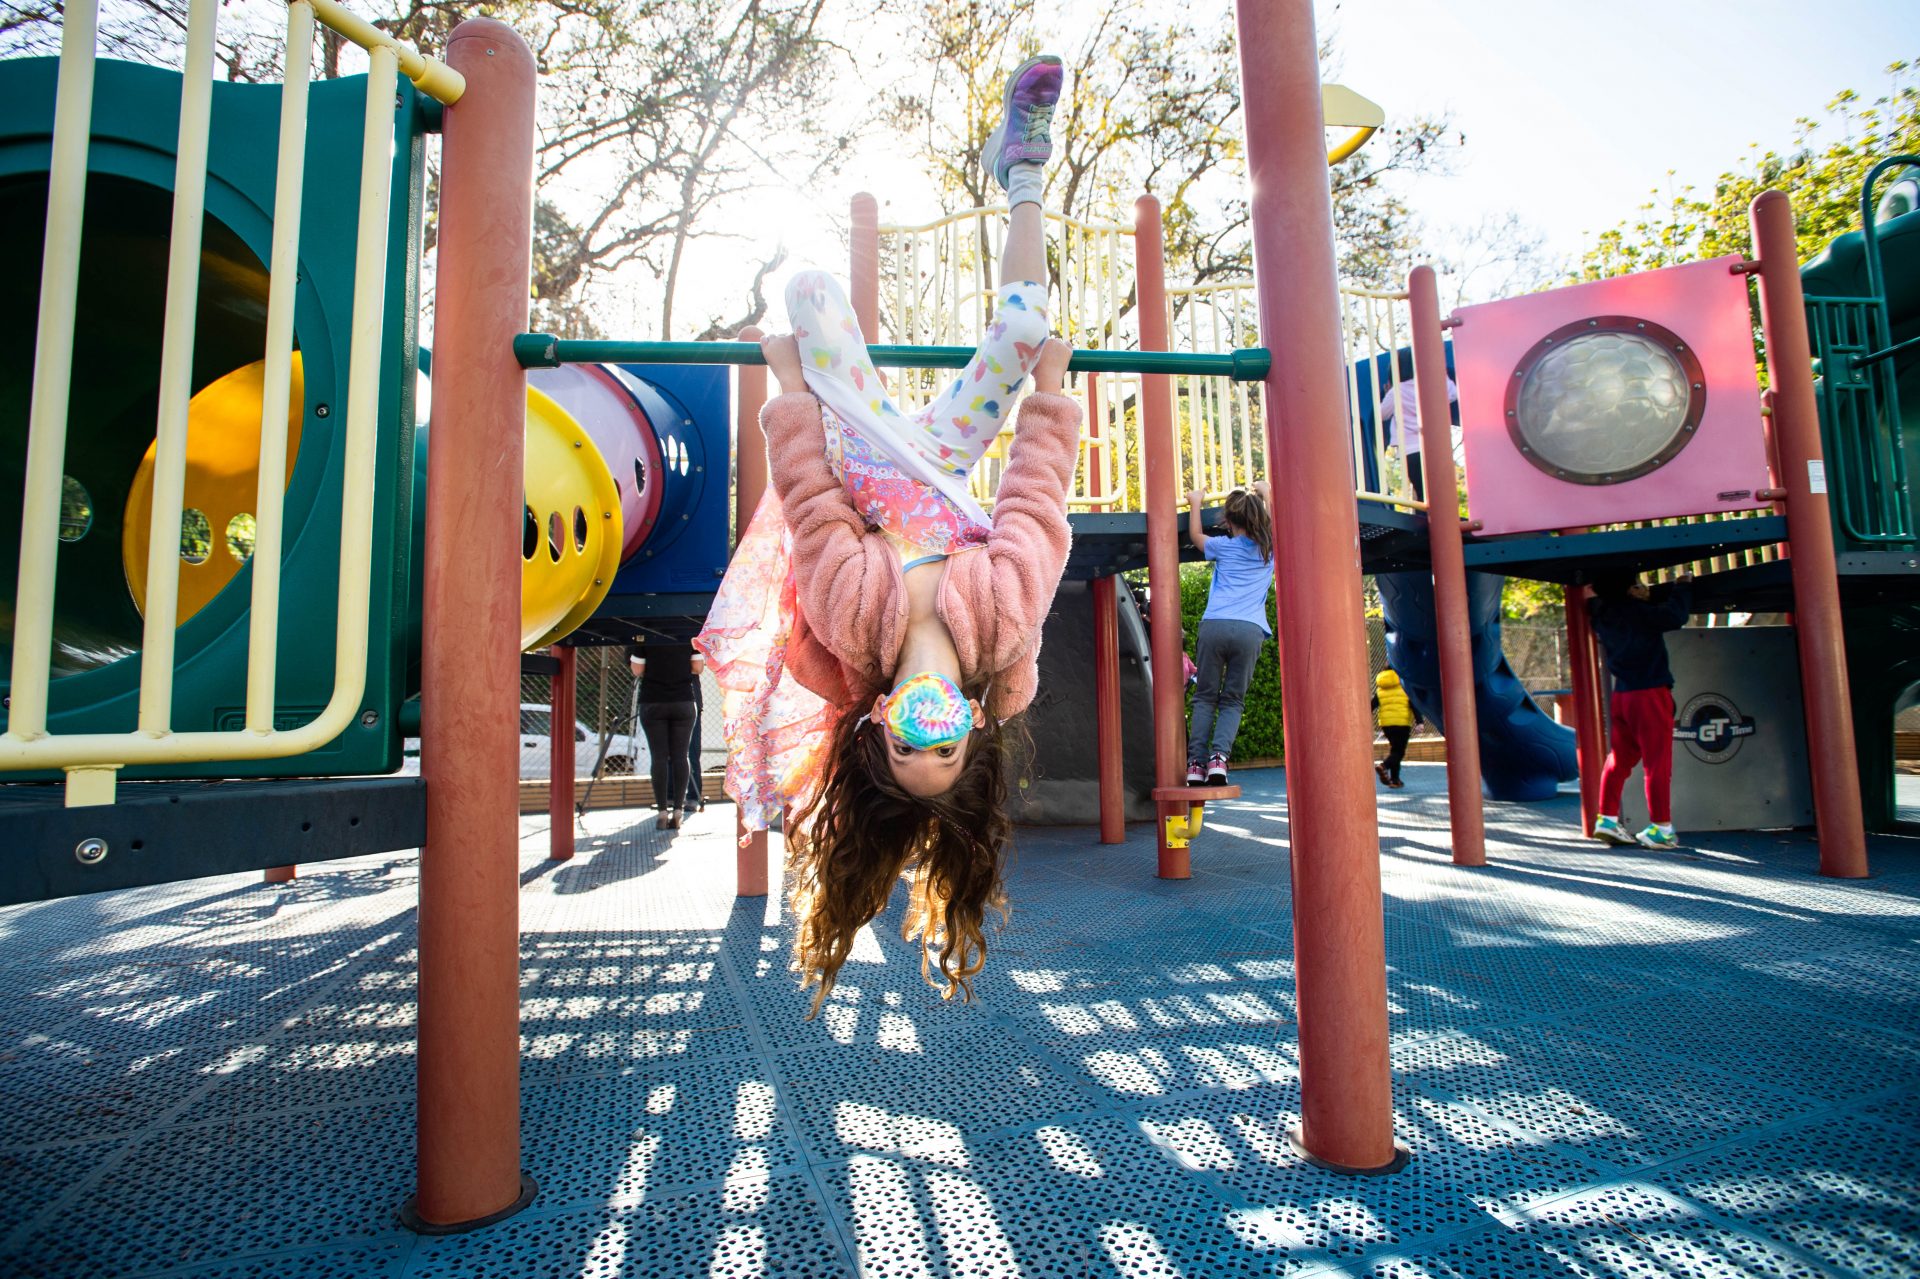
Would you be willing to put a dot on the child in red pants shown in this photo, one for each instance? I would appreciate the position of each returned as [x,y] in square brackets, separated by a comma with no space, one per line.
[1631,622]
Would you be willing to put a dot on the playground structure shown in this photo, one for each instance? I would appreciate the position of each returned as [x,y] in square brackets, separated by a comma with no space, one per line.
[218,695]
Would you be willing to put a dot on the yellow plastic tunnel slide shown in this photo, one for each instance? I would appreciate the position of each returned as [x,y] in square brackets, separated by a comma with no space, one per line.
[573,530]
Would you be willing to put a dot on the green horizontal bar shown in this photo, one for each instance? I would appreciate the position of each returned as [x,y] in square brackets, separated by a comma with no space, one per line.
[1874,357]
[541,351]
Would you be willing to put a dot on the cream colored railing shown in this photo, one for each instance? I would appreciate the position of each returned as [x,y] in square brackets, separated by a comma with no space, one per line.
[1221,435]
[937,287]
[937,283]
[1375,327]
[92,760]
[1218,421]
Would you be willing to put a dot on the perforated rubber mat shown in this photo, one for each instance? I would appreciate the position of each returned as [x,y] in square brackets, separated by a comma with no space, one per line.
[1613,1064]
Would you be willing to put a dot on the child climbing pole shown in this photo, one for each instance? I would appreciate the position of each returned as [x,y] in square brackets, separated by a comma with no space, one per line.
[877,632]
[1232,629]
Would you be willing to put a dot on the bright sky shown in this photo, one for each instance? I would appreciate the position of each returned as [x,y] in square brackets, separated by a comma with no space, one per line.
[1572,111]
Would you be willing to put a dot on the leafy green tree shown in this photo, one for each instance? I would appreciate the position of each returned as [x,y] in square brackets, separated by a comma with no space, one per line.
[1526,599]
[1821,172]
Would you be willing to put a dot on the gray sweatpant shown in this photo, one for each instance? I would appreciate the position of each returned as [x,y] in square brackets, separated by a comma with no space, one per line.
[1225,657]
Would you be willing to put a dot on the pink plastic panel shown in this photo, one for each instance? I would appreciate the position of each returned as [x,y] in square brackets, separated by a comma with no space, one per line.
[1626,399]
[620,430]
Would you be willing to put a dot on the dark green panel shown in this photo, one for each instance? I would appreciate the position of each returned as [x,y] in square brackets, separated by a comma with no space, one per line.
[135,123]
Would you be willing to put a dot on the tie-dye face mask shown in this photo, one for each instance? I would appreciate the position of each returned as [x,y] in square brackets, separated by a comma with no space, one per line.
[928,710]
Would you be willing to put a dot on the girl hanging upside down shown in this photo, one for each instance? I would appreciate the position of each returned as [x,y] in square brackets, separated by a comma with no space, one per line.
[877,630]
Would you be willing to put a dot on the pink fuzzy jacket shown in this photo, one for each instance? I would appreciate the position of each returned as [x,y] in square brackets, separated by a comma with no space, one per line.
[852,593]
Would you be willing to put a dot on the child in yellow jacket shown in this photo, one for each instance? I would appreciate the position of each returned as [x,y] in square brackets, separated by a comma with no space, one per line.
[1396,721]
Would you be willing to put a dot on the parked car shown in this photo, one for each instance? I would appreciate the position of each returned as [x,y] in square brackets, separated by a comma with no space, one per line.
[625,753]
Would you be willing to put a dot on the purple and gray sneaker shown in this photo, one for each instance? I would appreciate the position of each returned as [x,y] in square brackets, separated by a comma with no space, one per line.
[1024,134]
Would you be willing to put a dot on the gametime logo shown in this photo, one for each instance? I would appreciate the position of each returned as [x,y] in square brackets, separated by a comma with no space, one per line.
[1713,728]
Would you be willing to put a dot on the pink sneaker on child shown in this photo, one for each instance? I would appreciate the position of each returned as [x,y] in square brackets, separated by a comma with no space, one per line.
[1025,132]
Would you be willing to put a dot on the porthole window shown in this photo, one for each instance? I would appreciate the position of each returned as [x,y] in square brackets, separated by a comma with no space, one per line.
[556,536]
[1604,400]
[529,534]
[240,536]
[196,536]
[579,529]
[76,509]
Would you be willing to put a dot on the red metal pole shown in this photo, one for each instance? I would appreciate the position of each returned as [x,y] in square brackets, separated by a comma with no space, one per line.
[1158,480]
[1106,701]
[1096,444]
[1583,664]
[864,280]
[750,483]
[560,754]
[1109,730]
[279,874]
[1346,1094]
[1816,580]
[1461,712]
[469,1036]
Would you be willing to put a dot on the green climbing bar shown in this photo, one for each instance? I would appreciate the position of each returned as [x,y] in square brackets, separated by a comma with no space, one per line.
[541,351]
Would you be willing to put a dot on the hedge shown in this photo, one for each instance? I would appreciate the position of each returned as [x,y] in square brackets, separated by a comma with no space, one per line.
[1261,735]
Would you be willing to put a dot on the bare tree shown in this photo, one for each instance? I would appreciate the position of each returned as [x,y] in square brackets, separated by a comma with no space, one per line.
[653,114]
[250,46]
[1500,256]
[1153,105]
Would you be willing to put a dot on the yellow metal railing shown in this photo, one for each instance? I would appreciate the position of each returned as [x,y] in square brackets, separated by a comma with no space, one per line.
[92,760]
[429,75]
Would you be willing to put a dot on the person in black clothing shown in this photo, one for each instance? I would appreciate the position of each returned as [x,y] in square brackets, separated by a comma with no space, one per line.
[1631,621]
[669,710]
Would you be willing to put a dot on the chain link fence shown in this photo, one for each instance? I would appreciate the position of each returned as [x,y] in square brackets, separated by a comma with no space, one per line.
[608,741]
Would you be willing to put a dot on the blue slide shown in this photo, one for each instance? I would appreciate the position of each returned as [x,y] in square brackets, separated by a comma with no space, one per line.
[1524,755]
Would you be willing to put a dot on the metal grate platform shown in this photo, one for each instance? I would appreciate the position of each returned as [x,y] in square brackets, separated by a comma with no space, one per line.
[1607,1063]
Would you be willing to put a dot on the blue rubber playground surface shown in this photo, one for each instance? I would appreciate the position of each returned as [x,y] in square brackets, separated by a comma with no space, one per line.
[1607,1063]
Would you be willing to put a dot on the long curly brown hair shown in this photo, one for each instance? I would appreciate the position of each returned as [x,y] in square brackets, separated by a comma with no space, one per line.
[851,841]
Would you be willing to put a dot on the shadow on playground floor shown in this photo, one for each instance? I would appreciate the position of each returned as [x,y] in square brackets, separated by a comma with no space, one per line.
[1606,1063]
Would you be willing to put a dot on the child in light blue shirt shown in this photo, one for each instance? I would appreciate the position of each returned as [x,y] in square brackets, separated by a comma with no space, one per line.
[1232,629]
